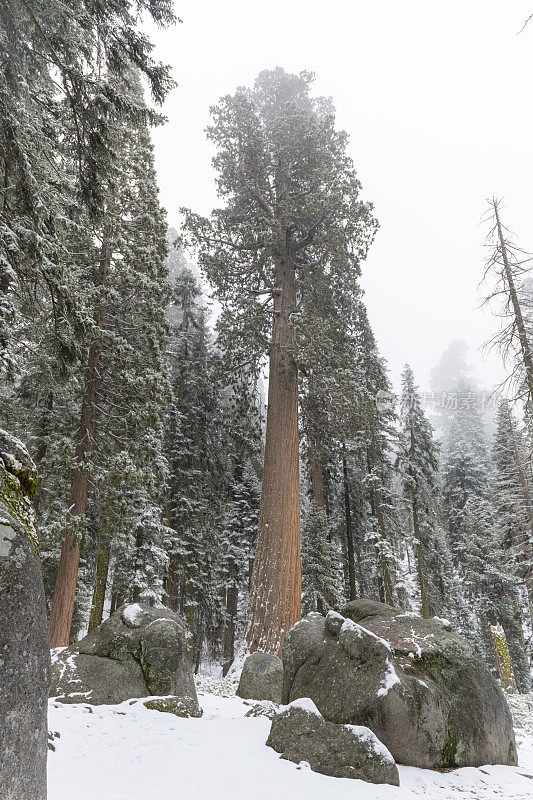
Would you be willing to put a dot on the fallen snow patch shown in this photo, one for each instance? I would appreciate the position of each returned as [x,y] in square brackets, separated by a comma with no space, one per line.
[127,752]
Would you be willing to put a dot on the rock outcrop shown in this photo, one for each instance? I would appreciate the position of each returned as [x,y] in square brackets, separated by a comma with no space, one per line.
[139,651]
[261,678]
[300,733]
[179,706]
[414,682]
[25,646]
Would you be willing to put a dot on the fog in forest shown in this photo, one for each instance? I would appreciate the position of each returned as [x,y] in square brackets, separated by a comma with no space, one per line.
[437,106]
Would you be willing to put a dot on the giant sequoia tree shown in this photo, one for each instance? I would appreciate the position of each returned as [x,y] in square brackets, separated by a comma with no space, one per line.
[291,209]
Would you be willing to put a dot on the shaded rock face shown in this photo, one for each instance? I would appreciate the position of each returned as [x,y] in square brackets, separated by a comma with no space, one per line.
[179,706]
[415,683]
[137,652]
[261,678]
[300,733]
[24,642]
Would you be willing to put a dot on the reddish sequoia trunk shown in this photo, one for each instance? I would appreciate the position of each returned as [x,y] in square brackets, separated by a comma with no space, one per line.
[67,573]
[275,601]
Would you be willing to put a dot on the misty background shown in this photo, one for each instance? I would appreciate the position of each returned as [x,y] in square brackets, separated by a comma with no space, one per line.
[437,102]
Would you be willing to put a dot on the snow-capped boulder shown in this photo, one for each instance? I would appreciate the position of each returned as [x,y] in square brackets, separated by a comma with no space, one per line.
[261,678]
[139,651]
[300,733]
[24,642]
[414,682]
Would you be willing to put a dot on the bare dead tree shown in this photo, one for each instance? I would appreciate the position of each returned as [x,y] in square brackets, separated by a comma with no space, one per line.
[506,266]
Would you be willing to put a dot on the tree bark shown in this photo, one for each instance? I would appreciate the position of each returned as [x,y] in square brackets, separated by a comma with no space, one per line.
[139,541]
[317,484]
[232,598]
[349,531]
[100,585]
[67,573]
[376,505]
[275,601]
[527,356]
[42,446]
[174,584]
[420,563]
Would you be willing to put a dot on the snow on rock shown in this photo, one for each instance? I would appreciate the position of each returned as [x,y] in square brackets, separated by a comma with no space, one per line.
[391,679]
[366,735]
[132,615]
[335,615]
[334,622]
[305,704]
[444,622]
[127,752]
[360,630]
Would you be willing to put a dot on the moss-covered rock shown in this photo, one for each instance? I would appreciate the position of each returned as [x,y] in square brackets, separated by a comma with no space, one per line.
[145,651]
[25,651]
[179,706]
[300,733]
[414,682]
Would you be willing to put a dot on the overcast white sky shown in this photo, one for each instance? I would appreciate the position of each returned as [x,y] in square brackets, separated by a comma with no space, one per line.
[437,99]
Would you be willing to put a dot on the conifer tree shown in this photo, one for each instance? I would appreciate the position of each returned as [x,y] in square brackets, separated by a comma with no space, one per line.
[321,563]
[124,379]
[475,539]
[292,201]
[191,431]
[513,498]
[61,96]
[418,463]
[377,437]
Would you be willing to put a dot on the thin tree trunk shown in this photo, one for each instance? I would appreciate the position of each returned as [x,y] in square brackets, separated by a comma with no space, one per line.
[67,573]
[232,598]
[317,484]
[420,563]
[376,504]
[527,357]
[174,584]
[139,541]
[100,585]
[275,601]
[349,532]
[116,601]
[42,446]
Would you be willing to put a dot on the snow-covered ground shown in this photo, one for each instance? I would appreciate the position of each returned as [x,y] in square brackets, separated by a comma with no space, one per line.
[127,752]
